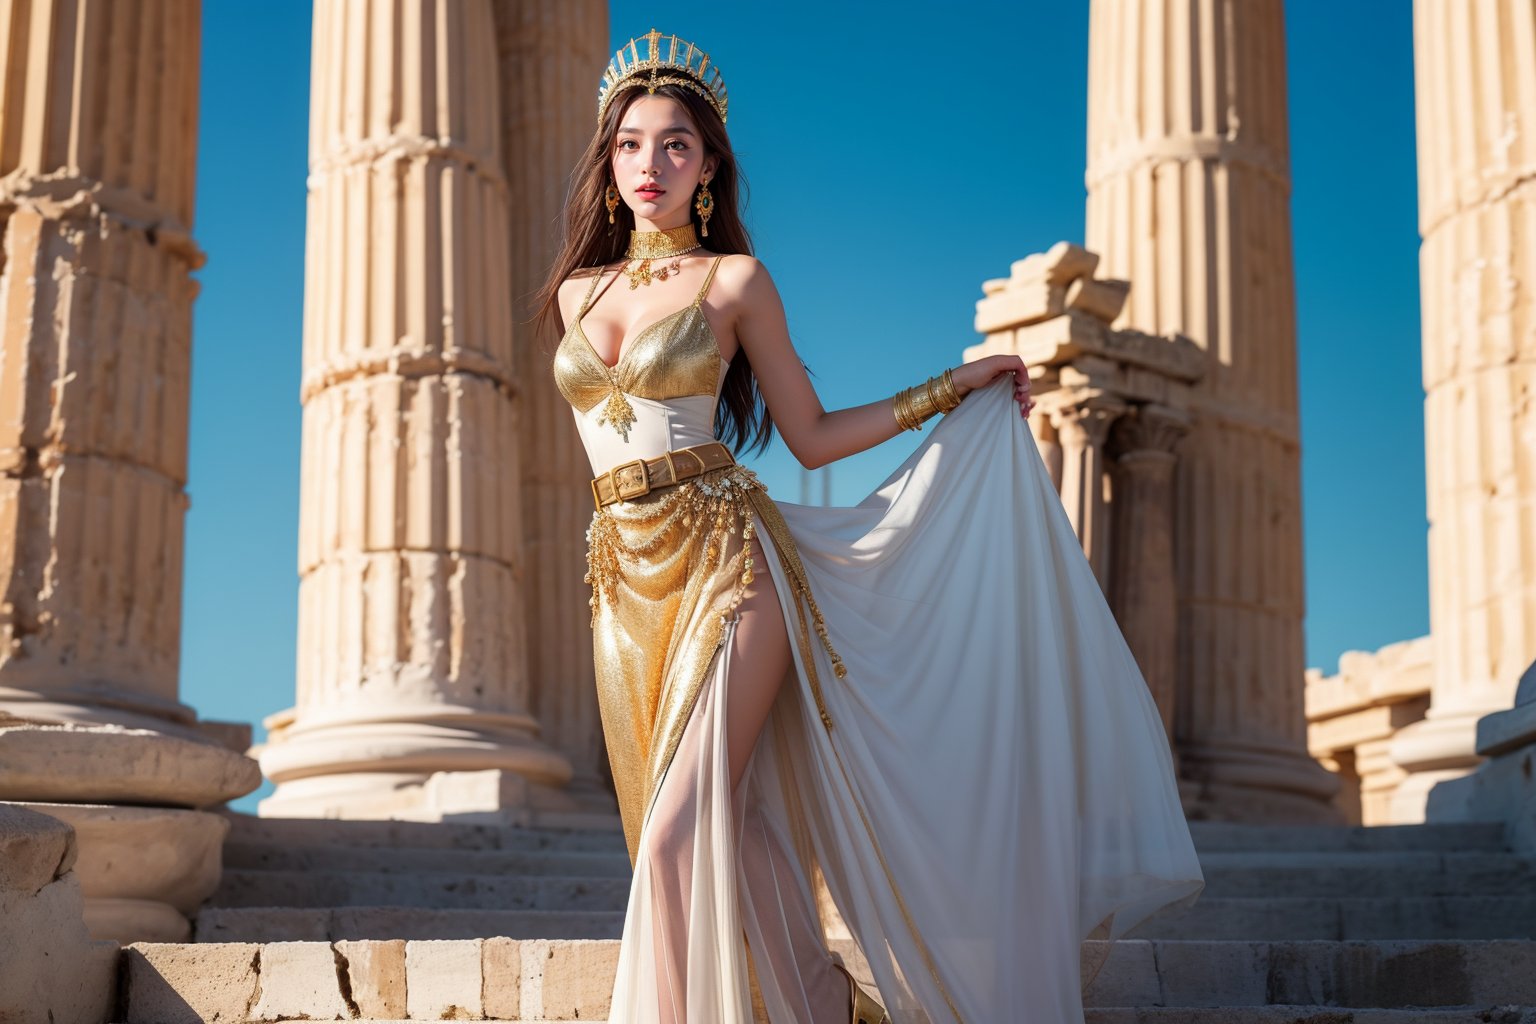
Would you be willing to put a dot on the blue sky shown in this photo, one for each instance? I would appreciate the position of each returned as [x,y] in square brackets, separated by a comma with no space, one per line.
[894,163]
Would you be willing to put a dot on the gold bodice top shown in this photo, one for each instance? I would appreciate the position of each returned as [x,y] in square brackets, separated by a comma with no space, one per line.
[675,357]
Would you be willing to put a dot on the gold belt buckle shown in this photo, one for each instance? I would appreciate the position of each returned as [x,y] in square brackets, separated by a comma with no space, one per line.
[618,487]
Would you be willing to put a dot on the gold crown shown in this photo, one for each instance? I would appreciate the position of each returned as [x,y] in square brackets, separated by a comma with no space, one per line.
[654,69]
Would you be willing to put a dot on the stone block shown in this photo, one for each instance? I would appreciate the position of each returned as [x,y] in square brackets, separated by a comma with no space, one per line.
[300,980]
[50,970]
[35,848]
[568,979]
[172,983]
[443,979]
[501,968]
[375,972]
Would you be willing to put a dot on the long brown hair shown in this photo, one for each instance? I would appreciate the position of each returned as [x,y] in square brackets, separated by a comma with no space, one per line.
[741,418]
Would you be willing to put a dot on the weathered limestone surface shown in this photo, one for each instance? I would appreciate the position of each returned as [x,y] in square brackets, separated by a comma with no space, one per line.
[413,620]
[143,870]
[96,300]
[547,50]
[1503,788]
[1353,717]
[1476,110]
[495,978]
[51,972]
[96,198]
[1188,184]
[109,763]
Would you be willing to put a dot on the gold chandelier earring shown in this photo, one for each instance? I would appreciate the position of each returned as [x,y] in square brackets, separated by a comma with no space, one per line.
[704,203]
[611,200]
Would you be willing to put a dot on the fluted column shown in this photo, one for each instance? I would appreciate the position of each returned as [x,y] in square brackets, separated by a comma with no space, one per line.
[551,54]
[1189,182]
[1475,69]
[1082,424]
[1142,591]
[98,115]
[412,668]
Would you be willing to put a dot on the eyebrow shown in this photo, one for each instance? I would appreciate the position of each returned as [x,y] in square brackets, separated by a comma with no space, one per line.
[677,129]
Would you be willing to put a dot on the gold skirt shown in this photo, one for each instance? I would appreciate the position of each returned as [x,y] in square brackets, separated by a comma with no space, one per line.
[667,570]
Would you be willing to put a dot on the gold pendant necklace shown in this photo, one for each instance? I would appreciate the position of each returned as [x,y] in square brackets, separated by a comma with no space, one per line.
[646,246]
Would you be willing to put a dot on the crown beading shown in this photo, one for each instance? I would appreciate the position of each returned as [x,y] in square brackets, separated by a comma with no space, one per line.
[683,64]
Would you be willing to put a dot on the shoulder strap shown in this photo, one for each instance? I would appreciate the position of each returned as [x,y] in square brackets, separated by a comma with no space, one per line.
[708,278]
[587,302]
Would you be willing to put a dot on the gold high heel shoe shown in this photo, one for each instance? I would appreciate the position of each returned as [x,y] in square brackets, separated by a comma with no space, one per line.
[862,1007]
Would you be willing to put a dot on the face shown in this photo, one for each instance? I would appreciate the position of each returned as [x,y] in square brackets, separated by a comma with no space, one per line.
[658,160]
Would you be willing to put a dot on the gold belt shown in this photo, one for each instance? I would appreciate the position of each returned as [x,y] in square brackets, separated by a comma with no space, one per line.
[634,479]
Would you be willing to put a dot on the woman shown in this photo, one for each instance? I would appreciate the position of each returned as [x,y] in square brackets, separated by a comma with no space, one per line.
[921,701]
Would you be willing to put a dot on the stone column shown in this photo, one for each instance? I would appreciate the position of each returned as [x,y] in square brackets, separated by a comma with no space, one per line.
[551,54]
[97,153]
[1188,184]
[1476,101]
[1142,590]
[412,668]
[1082,424]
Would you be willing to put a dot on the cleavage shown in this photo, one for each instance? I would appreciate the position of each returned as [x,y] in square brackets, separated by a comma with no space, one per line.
[630,340]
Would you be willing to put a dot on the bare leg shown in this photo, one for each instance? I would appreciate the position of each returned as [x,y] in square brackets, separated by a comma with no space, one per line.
[776,891]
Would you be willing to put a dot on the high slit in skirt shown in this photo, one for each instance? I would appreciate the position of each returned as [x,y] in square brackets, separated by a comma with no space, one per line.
[965,754]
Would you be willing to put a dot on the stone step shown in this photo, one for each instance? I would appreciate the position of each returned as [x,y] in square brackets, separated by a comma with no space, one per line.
[1339,918]
[1374,873]
[329,833]
[286,924]
[1245,1015]
[1367,974]
[1214,837]
[427,889]
[1244,873]
[282,857]
[1308,1015]
[1209,837]
[1341,901]
[584,909]
[506,979]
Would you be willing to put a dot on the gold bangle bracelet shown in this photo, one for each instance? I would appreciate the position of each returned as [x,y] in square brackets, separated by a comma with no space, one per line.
[951,395]
[902,407]
[913,406]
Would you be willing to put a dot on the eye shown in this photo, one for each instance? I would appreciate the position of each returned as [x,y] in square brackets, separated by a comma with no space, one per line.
[624,142]
[681,144]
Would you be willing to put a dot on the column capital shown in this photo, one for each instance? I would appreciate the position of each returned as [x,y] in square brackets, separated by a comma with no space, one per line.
[1148,429]
[1082,418]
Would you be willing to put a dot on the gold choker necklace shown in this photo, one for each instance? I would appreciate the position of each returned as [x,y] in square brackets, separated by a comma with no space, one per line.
[646,246]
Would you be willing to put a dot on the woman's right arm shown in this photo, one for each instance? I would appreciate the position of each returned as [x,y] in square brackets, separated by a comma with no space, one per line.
[815,436]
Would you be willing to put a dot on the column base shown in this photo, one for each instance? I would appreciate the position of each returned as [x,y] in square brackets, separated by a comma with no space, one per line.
[1256,785]
[414,765]
[107,764]
[491,796]
[1433,751]
[147,857]
[143,870]
[1503,788]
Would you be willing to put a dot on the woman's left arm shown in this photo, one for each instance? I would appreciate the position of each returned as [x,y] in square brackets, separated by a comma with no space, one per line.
[815,436]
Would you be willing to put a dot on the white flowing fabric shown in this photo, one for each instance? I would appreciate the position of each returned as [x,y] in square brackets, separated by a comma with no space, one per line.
[996,784]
